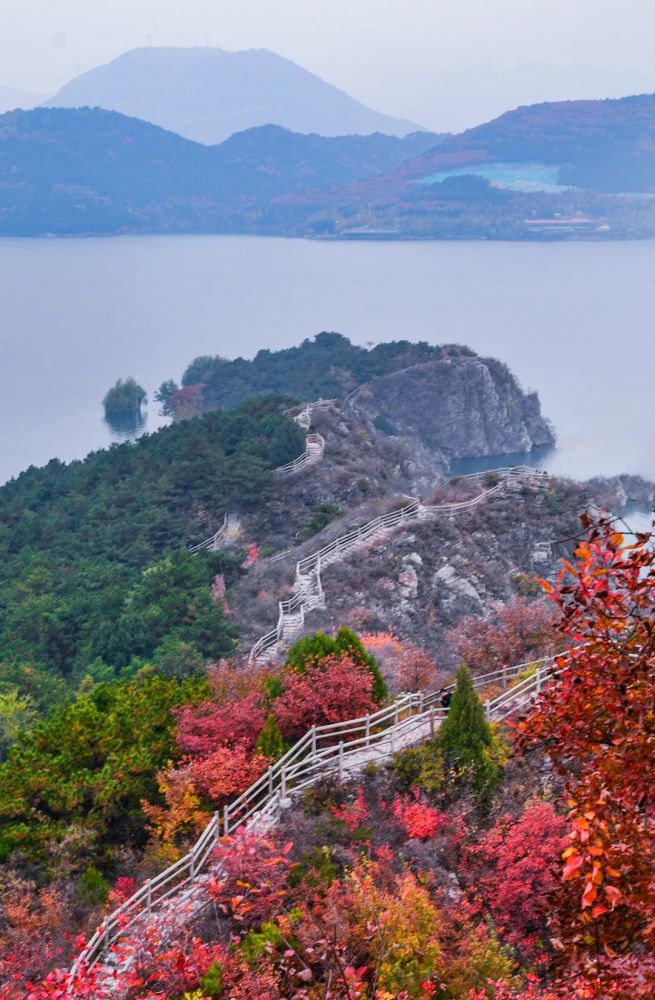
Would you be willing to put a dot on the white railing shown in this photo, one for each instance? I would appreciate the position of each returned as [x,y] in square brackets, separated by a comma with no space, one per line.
[314,450]
[308,588]
[339,749]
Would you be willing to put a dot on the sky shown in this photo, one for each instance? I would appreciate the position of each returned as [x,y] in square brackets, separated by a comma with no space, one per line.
[445,64]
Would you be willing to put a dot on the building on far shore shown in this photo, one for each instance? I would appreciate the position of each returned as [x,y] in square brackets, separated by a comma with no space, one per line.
[565,225]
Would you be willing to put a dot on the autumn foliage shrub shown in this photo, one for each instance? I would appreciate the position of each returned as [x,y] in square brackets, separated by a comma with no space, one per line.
[352,814]
[518,631]
[419,819]
[512,870]
[313,649]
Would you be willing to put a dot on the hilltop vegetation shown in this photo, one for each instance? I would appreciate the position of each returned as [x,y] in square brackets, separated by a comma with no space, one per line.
[85,170]
[327,367]
[485,864]
[598,145]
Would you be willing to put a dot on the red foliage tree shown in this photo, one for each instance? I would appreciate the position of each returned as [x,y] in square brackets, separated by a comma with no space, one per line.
[598,727]
[416,670]
[225,773]
[252,877]
[333,690]
[520,630]
[201,729]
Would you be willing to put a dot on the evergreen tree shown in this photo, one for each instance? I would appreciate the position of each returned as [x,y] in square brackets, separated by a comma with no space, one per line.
[270,741]
[465,736]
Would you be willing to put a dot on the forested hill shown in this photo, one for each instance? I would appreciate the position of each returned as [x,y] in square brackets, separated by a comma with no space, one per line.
[92,171]
[95,578]
[328,366]
[598,145]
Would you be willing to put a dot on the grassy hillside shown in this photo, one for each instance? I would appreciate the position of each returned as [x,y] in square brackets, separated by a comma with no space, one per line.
[599,145]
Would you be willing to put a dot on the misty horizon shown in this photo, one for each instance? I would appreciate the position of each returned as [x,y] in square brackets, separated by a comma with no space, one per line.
[445,69]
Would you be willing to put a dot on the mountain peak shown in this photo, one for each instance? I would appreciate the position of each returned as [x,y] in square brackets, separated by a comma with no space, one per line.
[207,94]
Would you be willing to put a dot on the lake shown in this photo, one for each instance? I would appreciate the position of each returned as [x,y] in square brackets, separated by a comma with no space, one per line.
[572,320]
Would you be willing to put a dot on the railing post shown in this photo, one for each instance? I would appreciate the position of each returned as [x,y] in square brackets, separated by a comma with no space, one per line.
[395,716]
[217,831]
[538,680]
[149,895]
[368,729]
[226,821]
[421,700]
[283,783]
[270,781]
[313,741]
[341,759]
[431,722]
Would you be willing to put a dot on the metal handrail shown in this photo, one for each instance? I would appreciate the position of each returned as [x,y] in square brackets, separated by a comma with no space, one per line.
[322,750]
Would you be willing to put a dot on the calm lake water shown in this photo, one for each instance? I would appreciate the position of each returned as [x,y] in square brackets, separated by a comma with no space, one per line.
[573,320]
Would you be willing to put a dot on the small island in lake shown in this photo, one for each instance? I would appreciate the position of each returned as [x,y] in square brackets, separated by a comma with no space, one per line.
[122,404]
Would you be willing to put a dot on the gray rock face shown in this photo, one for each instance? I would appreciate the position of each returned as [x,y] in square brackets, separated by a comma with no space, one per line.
[465,407]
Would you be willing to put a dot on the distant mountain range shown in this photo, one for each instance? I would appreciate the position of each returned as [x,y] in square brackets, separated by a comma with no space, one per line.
[207,94]
[579,168]
[94,171]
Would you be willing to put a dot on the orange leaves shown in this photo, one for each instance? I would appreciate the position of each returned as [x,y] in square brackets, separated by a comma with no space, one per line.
[573,865]
[596,725]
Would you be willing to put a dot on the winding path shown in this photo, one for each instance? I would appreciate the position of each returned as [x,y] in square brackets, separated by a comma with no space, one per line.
[308,592]
[342,749]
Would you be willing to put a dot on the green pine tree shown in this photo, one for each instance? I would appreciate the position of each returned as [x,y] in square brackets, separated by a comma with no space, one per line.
[466,737]
[270,741]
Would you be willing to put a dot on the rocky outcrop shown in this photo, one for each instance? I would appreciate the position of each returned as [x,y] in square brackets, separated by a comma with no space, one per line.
[622,493]
[462,407]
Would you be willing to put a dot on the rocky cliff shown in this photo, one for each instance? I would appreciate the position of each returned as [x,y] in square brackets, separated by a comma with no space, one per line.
[461,407]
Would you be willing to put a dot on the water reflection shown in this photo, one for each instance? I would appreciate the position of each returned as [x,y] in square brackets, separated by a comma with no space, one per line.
[535,459]
[126,426]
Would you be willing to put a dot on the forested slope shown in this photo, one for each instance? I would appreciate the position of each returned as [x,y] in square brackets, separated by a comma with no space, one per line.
[94,572]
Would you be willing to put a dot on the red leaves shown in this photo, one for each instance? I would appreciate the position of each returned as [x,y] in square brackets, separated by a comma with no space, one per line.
[420,820]
[333,690]
[519,631]
[573,865]
[352,814]
[597,726]
[203,728]
[512,868]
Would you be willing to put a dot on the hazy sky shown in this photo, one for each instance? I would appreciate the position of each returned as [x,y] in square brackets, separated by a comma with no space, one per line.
[440,62]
